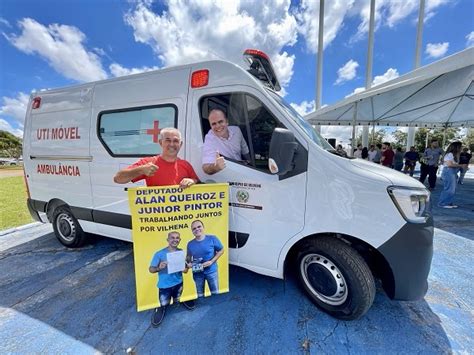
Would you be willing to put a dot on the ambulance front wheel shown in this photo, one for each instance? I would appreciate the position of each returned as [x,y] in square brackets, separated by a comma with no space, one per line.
[336,278]
[67,228]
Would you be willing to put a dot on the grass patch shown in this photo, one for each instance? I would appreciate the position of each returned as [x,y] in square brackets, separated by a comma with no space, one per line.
[11,167]
[13,209]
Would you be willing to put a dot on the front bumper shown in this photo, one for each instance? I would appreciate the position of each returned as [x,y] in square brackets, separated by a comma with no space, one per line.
[409,253]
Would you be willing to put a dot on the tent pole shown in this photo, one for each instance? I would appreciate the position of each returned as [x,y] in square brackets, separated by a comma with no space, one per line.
[354,118]
[444,136]
[373,133]
[410,138]
[419,34]
[419,42]
[368,72]
[319,68]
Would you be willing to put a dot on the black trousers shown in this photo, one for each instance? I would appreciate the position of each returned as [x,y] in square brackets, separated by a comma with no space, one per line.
[430,171]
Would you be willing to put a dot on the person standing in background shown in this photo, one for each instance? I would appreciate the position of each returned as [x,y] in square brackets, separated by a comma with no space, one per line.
[398,160]
[387,155]
[372,153]
[449,175]
[411,157]
[464,158]
[341,151]
[378,154]
[365,153]
[429,163]
[358,151]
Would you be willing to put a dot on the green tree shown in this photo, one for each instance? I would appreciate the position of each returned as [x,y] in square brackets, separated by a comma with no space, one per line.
[400,139]
[468,140]
[378,137]
[452,134]
[10,146]
[422,133]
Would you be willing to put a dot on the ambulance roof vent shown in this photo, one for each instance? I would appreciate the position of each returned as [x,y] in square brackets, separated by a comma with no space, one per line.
[261,67]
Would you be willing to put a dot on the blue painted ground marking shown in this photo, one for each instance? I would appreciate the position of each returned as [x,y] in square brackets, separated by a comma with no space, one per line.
[55,300]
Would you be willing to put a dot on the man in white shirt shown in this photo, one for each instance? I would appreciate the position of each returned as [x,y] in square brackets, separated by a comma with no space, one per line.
[358,151]
[372,153]
[222,141]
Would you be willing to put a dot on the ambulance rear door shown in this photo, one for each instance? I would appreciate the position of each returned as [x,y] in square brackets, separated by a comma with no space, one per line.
[57,156]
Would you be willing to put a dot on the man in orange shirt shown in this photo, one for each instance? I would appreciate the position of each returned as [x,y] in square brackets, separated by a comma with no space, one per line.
[164,169]
[161,170]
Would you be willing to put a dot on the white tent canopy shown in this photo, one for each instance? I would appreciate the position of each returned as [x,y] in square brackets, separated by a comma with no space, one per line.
[437,95]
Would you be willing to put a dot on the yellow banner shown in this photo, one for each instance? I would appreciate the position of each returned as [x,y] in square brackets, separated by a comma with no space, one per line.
[180,238]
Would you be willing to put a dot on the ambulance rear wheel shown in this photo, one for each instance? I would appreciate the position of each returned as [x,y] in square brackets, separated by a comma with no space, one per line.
[67,228]
[336,278]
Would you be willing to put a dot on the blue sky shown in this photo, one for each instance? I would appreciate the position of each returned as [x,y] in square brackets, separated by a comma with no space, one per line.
[52,43]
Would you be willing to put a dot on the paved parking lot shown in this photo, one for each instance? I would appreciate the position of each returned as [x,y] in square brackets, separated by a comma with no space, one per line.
[58,300]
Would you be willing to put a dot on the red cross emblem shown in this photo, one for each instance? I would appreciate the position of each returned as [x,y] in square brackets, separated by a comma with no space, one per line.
[155,131]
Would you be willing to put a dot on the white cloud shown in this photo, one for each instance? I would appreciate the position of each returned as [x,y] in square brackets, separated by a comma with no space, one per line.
[390,13]
[305,107]
[356,91]
[308,19]
[341,133]
[390,74]
[99,51]
[118,70]
[470,39]
[431,6]
[5,22]
[15,107]
[347,72]
[399,10]
[190,31]
[61,46]
[436,50]
[387,13]
[283,64]
[6,126]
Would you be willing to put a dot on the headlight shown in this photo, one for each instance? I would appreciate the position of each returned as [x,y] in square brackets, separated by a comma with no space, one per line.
[412,203]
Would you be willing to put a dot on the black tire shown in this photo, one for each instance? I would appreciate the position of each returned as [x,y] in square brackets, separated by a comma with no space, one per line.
[67,228]
[336,278]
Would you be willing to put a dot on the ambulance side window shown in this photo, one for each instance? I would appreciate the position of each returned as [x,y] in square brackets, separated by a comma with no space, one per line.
[254,120]
[134,132]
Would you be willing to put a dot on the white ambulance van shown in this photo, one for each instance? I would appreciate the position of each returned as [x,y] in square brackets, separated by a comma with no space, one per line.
[339,223]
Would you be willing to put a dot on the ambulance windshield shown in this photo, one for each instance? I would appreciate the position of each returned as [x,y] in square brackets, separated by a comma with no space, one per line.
[301,122]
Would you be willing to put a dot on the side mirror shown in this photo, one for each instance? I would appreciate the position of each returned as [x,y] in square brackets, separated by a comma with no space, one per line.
[283,147]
